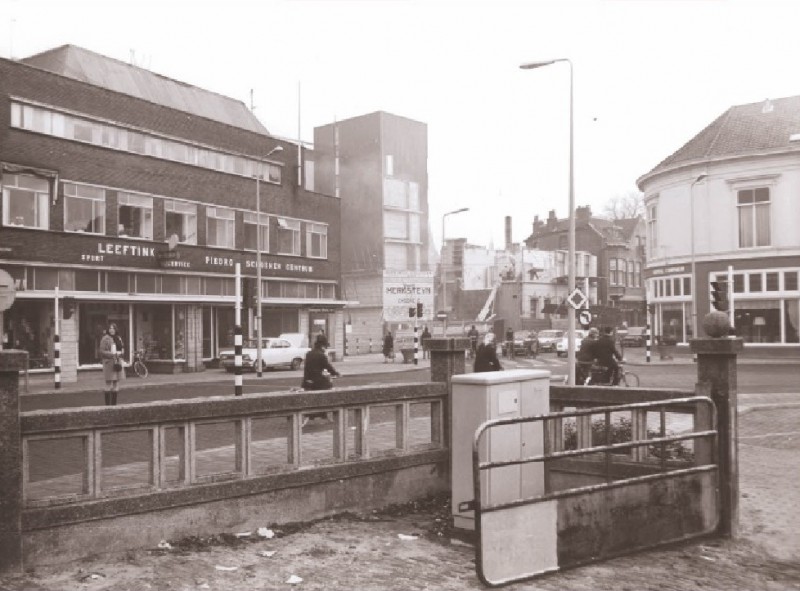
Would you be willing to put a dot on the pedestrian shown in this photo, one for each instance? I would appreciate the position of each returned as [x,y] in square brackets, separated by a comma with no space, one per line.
[486,356]
[607,355]
[426,334]
[112,352]
[388,347]
[473,341]
[509,342]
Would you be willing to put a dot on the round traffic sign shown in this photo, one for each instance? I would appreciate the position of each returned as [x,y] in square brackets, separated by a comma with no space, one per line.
[7,291]
[585,317]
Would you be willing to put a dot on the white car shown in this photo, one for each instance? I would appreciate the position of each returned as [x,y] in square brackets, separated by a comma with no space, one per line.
[548,339]
[562,346]
[288,350]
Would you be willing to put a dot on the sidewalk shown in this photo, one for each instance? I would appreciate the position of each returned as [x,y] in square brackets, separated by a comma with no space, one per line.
[92,380]
[366,552]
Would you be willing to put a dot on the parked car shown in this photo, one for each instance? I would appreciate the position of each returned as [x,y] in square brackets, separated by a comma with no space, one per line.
[635,337]
[548,339]
[562,347]
[288,350]
[525,344]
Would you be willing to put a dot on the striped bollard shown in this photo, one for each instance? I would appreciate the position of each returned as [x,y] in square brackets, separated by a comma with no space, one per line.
[416,345]
[57,361]
[649,343]
[357,347]
[237,360]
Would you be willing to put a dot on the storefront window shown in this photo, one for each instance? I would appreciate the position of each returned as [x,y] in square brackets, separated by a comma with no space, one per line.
[672,322]
[93,321]
[225,325]
[790,316]
[153,330]
[207,332]
[180,332]
[28,325]
[758,321]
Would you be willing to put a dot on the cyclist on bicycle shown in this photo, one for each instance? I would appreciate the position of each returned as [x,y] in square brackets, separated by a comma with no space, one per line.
[585,356]
[606,352]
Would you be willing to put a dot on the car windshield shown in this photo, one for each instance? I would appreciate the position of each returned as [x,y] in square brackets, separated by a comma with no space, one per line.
[253,343]
[551,333]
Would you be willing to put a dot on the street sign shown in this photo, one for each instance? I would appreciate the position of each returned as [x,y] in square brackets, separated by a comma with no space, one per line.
[441,315]
[7,291]
[576,299]
[585,317]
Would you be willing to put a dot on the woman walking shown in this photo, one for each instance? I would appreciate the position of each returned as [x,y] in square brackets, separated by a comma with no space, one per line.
[112,352]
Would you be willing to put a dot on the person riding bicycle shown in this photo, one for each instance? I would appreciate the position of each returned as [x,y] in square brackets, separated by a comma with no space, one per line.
[606,352]
[315,364]
[472,333]
[585,357]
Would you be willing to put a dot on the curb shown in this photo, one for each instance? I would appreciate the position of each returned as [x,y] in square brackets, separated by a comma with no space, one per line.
[767,406]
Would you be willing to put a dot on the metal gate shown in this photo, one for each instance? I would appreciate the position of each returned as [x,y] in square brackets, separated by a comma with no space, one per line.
[571,503]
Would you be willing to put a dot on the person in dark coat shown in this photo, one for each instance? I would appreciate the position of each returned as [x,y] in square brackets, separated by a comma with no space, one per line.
[486,356]
[585,356]
[112,352]
[388,347]
[315,364]
[607,355]
[426,334]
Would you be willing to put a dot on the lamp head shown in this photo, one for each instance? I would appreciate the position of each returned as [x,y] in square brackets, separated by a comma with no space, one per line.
[537,64]
[275,150]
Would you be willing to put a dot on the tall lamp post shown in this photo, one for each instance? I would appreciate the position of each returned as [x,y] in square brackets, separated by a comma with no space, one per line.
[444,277]
[259,356]
[694,274]
[571,262]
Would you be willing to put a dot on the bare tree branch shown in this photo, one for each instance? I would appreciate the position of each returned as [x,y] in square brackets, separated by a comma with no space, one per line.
[620,207]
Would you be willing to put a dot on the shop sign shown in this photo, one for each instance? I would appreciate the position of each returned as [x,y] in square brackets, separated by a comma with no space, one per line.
[404,290]
[7,291]
[673,270]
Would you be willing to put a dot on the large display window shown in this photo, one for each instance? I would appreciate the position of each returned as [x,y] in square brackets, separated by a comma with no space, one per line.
[28,326]
[160,331]
[93,320]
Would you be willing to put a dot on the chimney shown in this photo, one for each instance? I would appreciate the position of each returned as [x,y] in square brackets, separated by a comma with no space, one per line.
[509,244]
[551,220]
[583,214]
[537,225]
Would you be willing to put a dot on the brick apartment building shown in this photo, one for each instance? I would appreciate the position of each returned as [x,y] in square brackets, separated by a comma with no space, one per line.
[135,196]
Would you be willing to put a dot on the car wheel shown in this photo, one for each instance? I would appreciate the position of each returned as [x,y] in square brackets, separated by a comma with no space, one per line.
[296,363]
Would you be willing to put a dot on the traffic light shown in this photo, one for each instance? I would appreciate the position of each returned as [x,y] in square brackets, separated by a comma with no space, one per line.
[719,295]
[419,309]
[411,312]
[249,293]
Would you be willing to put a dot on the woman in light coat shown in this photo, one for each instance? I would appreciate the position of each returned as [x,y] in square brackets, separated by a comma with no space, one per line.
[112,354]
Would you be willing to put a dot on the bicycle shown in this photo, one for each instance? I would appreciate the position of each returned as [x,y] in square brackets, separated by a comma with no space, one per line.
[597,377]
[139,367]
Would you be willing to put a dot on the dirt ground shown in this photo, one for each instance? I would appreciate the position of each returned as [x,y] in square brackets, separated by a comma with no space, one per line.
[367,552]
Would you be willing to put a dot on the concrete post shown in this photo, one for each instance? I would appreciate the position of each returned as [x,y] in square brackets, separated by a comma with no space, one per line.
[11,363]
[447,357]
[716,366]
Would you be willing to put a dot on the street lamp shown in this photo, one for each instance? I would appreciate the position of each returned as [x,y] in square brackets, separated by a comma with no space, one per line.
[571,265]
[694,275]
[259,357]
[444,278]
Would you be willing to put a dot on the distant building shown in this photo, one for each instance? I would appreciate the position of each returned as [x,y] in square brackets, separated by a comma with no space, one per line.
[619,248]
[728,198]
[134,196]
[377,164]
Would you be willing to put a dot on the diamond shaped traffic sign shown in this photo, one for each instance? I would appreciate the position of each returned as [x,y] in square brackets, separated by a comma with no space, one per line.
[576,299]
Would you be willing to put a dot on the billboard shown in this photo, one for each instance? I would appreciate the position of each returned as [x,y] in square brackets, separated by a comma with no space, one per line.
[403,290]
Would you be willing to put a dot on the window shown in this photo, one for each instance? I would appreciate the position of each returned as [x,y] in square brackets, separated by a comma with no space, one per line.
[738,282]
[754,226]
[630,274]
[26,201]
[135,216]
[181,221]
[389,165]
[317,241]
[613,278]
[790,281]
[772,282]
[755,282]
[687,286]
[652,228]
[84,209]
[638,274]
[220,227]
[395,225]
[288,236]
[252,228]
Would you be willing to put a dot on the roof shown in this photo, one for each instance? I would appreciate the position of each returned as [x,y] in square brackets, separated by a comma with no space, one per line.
[84,65]
[754,128]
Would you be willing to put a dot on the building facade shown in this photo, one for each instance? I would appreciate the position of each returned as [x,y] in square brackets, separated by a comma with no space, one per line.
[133,197]
[378,165]
[727,200]
[619,247]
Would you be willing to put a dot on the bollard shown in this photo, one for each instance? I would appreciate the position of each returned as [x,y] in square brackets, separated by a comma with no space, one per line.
[237,360]
[447,357]
[11,363]
[370,345]
[716,367]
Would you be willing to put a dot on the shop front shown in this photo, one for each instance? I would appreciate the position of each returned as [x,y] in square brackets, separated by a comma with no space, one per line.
[28,326]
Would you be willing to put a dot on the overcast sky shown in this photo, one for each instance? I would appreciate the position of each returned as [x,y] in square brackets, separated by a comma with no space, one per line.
[648,76]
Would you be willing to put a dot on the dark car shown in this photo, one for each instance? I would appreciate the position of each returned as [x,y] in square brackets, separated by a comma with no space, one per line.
[525,344]
[635,338]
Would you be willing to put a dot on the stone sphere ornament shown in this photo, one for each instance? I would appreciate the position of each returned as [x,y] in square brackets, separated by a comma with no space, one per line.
[717,324]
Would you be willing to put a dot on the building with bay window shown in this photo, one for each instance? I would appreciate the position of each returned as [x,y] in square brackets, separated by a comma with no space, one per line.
[725,202]
[133,197]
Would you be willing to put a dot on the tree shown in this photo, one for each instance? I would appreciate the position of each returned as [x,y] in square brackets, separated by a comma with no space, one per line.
[620,207]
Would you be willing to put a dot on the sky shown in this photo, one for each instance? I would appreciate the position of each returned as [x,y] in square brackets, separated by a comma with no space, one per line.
[648,76]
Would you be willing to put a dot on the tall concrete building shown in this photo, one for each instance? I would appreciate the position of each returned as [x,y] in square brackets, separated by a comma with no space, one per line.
[377,164]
